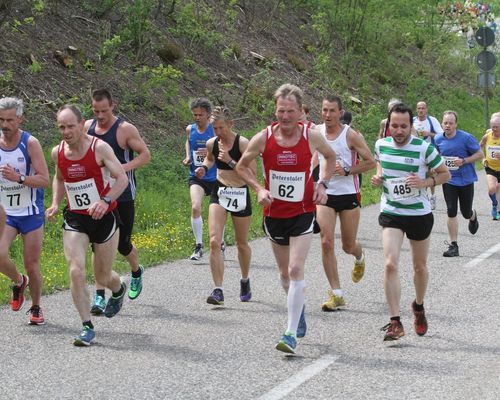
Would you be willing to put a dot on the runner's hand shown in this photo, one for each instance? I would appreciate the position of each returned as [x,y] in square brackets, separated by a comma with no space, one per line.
[319,195]
[200,172]
[414,181]
[51,212]
[376,180]
[264,197]
[98,209]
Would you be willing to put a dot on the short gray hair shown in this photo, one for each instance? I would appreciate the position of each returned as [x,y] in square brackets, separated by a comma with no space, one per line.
[8,103]
[201,103]
[288,90]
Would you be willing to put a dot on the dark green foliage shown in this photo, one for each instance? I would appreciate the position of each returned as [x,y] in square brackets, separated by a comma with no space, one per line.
[169,52]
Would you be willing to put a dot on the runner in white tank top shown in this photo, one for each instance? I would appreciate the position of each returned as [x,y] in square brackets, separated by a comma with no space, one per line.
[343,198]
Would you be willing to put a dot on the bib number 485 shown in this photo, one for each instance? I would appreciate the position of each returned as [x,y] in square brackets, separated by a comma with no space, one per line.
[400,190]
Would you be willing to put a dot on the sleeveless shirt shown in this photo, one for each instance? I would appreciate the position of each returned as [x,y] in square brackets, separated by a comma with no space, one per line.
[123,155]
[492,148]
[346,157]
[19,199]
[84,179]
[288,176]
[198,141]
[234,153]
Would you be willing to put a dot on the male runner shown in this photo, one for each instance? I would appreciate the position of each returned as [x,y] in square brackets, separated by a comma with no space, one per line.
[198,134]
[124,139]
[23,175]
[83,167]
[460,150]
[344,198]
[403,163]
[289,196]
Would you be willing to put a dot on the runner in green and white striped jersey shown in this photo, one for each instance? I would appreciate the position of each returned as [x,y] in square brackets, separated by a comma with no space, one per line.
[403,163]
[398,162]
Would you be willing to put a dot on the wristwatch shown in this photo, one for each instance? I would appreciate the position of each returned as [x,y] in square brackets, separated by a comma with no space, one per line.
[22,178]
[347,170]
[324,183]
[108,200]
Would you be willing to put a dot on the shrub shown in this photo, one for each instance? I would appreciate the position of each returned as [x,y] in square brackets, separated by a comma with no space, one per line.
[169,52]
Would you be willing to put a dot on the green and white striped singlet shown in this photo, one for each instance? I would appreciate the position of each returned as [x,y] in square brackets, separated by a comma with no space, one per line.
[417,156]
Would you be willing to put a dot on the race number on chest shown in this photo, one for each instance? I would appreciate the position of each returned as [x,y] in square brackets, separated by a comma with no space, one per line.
[14,195]
[287,186]
[399,189]
[81,194]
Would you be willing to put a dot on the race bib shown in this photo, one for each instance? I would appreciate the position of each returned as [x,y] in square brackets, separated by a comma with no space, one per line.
[450,163]
[14,195]
[199,157]
[399,189]
[233,199]
[493,152]
[81,194]
[287,186]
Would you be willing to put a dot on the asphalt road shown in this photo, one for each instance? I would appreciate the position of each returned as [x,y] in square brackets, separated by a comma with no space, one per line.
[170,344]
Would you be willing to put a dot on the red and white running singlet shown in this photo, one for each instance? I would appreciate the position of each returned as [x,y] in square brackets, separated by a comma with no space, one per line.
[84,180]
[288,176]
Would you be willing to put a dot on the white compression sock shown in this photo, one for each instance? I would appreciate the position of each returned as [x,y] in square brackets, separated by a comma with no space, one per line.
[296,299]
[197,226]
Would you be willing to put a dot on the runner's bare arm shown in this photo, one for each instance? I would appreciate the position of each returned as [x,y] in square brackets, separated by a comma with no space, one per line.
[57,188]
[318,143]
[244,167]
[134,142]
[41,177]
[377,179]
[105,156]
[243,146]
[187,159]
[357,142]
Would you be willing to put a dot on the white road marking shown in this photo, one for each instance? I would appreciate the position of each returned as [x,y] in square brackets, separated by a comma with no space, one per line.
[483,256]
[299,378]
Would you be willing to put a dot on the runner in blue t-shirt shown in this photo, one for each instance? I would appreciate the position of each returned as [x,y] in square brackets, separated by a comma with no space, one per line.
[460,150]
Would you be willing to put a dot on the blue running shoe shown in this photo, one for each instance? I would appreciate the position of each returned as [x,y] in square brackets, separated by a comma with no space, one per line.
[136,285]
[302,328]
[287,344]
[216,298]
[85,337]
[114,304]
[98,306]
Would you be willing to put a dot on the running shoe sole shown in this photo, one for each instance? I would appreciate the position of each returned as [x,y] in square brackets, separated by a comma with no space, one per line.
[81,343]
[96,311]
[211,300]
[36,323]
[282,346]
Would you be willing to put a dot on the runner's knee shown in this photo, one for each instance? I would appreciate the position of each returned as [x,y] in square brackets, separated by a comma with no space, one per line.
[125,246]
[349,247]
